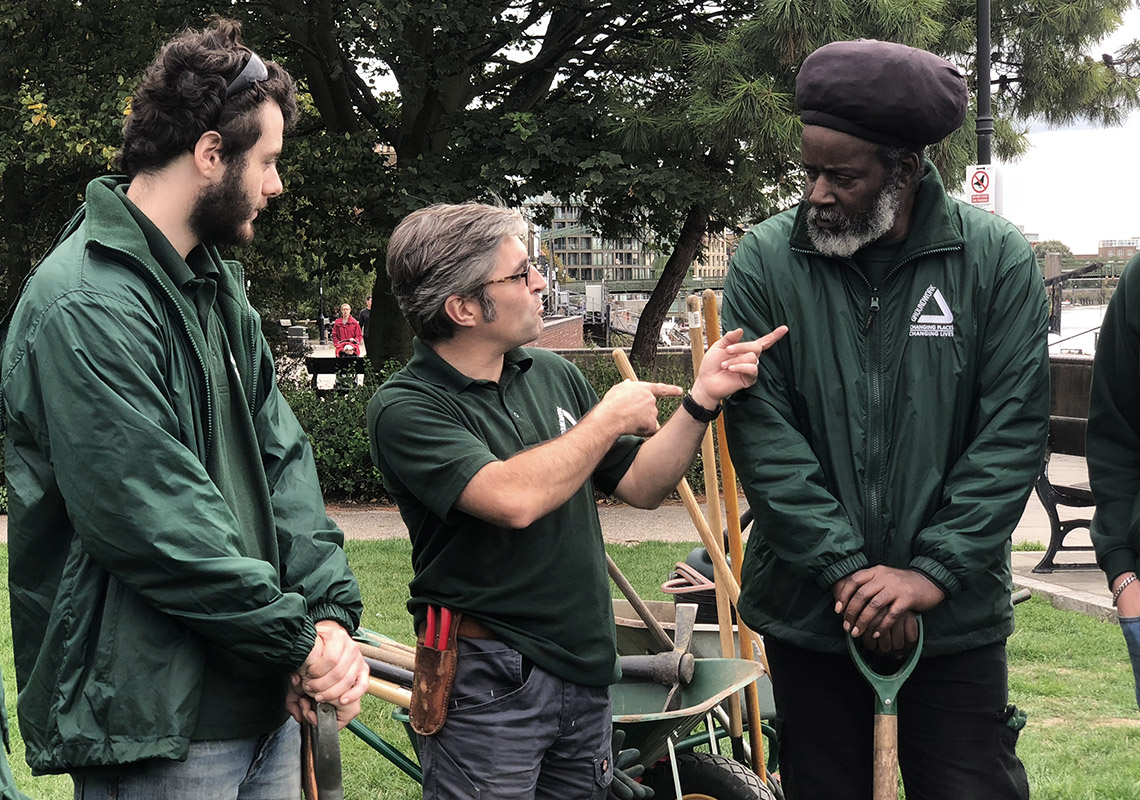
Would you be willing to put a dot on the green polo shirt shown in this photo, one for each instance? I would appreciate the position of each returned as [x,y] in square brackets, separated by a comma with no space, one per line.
[239,698]
[544,589]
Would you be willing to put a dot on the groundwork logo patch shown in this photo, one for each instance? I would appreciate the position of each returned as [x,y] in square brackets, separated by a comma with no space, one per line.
[566,420]
[932,316]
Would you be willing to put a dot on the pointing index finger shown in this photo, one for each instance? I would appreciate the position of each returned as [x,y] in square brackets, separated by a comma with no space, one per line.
[664,389]
[757,345]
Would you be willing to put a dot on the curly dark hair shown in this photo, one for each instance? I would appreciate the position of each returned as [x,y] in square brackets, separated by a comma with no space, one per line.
[183,94]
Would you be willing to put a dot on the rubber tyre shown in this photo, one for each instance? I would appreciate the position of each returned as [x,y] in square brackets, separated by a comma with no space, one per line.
[707,777]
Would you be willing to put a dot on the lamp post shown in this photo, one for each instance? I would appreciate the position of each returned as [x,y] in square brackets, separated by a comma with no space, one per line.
[985,120]
[322,322]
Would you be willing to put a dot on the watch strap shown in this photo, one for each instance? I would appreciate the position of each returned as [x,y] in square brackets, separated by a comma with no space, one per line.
[699,412]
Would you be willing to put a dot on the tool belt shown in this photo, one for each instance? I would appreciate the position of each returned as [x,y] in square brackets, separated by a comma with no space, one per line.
[437,657]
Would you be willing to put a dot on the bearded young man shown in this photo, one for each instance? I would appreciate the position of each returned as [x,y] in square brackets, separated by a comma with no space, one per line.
[179,595]
[890,442]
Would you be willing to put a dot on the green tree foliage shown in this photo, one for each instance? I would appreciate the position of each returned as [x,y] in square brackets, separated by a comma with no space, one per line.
[63,74]
[66,72]
[668,116]
[1042,249]
[729,102]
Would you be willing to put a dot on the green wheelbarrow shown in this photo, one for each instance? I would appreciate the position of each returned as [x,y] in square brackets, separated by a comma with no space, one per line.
[663,738]
[696,769]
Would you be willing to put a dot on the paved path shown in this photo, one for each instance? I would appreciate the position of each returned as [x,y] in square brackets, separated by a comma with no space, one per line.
[1084,591]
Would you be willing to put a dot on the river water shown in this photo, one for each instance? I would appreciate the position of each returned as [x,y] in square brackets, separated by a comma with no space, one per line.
[1079,328]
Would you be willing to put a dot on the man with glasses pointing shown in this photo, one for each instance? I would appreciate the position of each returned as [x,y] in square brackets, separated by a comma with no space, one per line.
[492,452]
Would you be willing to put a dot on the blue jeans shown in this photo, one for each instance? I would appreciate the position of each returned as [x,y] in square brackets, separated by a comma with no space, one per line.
[517,732]
[1131,628]
[258,768]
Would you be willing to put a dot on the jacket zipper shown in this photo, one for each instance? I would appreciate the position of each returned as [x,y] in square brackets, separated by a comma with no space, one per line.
[873,544]
[876,471]
[189,337]
[251,339]
[876,546]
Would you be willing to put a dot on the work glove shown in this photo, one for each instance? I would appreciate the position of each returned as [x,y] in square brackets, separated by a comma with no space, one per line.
[626,771]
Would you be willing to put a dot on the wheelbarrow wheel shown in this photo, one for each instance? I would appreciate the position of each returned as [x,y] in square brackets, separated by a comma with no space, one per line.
[707,777]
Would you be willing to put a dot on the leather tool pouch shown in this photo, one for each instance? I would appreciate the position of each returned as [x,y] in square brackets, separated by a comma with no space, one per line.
[431,686]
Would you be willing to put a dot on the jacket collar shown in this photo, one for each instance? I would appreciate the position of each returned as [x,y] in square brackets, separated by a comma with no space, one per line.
[113,225]
[933,227]
[429,366]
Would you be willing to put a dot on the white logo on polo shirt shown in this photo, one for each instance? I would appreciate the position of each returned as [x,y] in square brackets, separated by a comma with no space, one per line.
[565,420]
[938,319]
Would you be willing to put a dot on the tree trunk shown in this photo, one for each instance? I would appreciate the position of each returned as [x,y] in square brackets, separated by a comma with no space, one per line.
[15,260]
[389,335]
[644,351]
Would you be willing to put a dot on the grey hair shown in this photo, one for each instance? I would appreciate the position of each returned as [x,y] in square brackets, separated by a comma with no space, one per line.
[891,157]
[446,250]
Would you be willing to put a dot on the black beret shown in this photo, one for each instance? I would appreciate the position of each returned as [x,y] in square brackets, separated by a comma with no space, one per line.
[882,92]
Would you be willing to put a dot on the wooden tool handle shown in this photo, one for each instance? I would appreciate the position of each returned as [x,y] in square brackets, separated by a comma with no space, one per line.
[396,695]
[712,543]
[735,543]
[886,757]
[663,643]
[398,656]
[712,503]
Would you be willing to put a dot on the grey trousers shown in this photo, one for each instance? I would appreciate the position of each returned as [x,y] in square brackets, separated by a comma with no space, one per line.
[516,732]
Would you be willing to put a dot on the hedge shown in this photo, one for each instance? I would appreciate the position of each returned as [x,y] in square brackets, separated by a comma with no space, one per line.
[336,426]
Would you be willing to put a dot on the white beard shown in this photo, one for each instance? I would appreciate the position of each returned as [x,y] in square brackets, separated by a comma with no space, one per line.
[856,231]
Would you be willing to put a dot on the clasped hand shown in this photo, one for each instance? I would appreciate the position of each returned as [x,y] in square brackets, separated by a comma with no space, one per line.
[334,672]
[879,604]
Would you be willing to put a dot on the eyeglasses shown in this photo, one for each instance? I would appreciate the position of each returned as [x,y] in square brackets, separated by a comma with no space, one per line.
[254,71]
[523,276]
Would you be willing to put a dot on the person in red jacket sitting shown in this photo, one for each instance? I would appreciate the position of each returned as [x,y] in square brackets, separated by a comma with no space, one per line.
[347,336]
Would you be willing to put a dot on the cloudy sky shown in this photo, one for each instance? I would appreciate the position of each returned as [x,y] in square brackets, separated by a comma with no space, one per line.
[1079,185]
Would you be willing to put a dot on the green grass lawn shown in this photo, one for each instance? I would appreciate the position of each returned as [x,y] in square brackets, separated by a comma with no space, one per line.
[1068,671]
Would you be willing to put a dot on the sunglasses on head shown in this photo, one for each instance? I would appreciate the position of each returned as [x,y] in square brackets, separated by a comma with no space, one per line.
[254,71]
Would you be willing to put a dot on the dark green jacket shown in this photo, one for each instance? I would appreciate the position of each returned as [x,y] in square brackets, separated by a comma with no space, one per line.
[1114,430]
[124,557]
[901,424]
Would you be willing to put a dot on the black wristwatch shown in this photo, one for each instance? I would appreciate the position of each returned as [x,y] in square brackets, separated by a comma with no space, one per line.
[699,412]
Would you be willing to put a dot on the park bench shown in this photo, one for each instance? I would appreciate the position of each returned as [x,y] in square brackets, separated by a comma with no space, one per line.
[1070,378]
[347,371]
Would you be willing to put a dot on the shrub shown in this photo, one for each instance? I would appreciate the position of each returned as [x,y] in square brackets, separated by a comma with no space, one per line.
[337,426]
[337,430]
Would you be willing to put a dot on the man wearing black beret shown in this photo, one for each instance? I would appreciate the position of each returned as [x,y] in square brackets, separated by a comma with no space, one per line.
[891,441]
